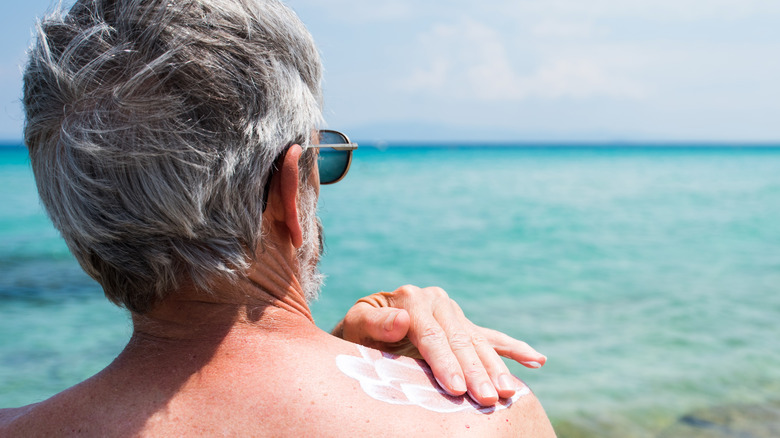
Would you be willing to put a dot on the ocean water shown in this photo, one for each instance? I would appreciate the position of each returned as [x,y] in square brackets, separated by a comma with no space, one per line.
[649,276]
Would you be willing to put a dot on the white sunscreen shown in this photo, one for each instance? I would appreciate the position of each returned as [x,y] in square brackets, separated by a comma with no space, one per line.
[405,381]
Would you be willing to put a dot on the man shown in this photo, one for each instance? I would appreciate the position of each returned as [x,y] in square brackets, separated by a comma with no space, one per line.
[174,146]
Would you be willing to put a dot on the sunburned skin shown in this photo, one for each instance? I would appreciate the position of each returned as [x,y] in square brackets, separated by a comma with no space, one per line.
[405,381]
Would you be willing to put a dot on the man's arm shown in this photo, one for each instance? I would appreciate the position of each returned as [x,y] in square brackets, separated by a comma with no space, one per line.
[425,323]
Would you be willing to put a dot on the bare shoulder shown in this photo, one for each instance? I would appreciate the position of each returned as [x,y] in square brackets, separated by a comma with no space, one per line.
[528,418]
[24,421]
[72,412]
[386,388]
[9,419]
[323,387]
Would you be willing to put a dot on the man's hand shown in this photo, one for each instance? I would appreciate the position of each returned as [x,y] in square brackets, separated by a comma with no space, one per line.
[427,324]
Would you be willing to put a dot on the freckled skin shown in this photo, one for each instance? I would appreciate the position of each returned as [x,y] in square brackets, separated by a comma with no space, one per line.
[274,391]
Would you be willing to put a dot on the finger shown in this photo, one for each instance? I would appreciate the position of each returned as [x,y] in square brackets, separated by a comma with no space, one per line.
[366,324]
[496,368]
[431,341]
[426,334]
[514,349]
[461,342]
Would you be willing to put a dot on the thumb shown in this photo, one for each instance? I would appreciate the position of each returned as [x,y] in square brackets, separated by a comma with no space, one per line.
[377,324]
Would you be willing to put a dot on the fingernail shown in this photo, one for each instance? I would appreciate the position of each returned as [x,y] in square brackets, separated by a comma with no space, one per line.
[506,383]
[458,384]
[532,364]
[486,390]
[390,321]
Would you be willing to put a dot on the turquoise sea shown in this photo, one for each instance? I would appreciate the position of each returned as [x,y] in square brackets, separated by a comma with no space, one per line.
[649,275]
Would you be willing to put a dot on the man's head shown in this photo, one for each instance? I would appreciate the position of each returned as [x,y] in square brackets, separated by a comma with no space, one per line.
[152,127]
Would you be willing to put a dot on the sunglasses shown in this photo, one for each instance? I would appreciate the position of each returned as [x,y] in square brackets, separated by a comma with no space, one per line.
[335,155]
[333,160]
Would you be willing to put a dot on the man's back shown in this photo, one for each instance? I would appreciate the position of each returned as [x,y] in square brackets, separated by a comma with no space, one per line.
[302,383]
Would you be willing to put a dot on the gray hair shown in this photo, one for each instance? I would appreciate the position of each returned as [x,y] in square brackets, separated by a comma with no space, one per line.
[152,127]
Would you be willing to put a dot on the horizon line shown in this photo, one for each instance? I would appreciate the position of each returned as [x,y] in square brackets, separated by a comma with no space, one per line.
[384,144]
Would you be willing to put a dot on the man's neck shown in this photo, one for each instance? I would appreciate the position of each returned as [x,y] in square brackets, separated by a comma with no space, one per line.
[268,299]
[193,321]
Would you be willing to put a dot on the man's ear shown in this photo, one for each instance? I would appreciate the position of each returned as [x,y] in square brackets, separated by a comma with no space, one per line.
[288,193]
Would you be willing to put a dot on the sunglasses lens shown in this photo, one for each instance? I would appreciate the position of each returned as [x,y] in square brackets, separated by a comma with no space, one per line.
[332,164]
[332,137]
[333,161]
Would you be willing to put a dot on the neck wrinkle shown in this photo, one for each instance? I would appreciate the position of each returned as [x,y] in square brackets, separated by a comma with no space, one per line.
[269,297]
[275,273]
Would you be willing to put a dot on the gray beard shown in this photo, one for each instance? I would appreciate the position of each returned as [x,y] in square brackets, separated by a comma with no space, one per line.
[308,254]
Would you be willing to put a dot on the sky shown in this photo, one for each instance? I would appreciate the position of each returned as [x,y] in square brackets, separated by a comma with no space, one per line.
[522,70]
